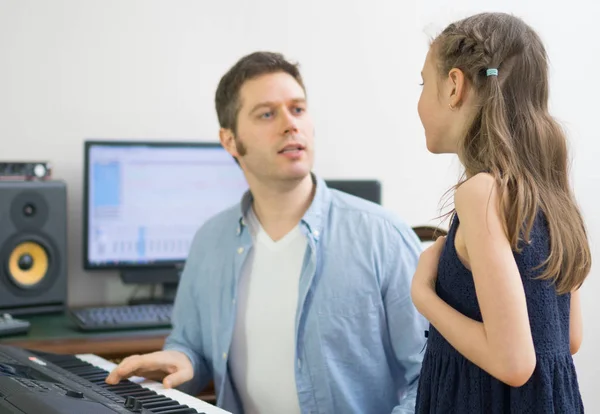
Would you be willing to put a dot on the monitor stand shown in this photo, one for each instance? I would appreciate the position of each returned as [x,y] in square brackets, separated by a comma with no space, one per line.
[167,277]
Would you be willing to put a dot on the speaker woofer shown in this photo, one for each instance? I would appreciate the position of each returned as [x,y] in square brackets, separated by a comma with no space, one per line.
[28,264]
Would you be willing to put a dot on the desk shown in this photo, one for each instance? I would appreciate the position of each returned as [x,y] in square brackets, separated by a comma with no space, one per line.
[58,334]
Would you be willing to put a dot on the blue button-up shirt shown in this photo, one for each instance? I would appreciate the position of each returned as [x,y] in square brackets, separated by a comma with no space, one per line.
[359,339]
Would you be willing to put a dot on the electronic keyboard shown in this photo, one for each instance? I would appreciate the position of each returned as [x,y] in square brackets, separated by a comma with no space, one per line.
[33,382]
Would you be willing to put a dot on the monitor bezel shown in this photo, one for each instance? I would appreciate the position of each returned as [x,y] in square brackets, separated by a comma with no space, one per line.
[88,144]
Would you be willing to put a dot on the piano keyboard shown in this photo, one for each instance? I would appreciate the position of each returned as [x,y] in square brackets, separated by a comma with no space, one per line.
[181,397]
[151,394]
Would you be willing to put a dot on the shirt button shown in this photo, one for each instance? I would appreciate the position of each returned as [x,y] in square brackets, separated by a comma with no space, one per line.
[224,355]
[240,250]
[299,363]
[316,233]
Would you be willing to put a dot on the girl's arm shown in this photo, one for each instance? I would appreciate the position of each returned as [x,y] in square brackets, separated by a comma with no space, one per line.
[575,323]
[502,345]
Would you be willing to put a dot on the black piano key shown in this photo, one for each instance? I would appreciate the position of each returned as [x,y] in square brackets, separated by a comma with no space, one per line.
[124,387]
[125,393]
[90,372]
[102,383]
[160,399]
[144,393]
[93,377]
[150,398]
[86,371]
[158,404]
[161,410]
[182,410]
[131,393]
[140,388]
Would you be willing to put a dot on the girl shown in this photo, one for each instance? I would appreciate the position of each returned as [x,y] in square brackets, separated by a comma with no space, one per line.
[501,290]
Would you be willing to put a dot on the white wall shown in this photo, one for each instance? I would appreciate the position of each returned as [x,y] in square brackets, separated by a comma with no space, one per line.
[77,69]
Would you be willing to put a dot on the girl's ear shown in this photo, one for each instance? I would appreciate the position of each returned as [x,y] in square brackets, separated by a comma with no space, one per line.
[456,87]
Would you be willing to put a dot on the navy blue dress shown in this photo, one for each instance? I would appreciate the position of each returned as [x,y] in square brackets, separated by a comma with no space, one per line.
[451,384]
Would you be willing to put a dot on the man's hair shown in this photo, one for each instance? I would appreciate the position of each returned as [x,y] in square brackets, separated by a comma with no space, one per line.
[227,97]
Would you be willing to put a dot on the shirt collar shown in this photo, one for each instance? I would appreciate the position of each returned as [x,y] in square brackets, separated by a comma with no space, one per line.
[313,218]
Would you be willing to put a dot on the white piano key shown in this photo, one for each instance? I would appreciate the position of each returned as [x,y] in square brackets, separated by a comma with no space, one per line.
[180,397]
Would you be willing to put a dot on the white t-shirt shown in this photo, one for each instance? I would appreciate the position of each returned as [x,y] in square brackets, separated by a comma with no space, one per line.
[262,354]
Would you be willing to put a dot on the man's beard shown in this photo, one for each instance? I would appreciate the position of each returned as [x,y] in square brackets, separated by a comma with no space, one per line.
[239,146]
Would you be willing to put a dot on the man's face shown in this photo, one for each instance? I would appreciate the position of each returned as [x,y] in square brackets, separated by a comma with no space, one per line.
[274,140]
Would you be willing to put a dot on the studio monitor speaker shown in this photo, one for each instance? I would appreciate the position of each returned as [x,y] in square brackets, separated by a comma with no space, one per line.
[33,246]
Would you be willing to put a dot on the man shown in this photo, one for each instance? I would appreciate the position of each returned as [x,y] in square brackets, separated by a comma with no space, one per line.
[298,299]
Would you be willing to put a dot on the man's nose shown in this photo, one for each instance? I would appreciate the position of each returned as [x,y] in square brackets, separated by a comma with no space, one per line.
[290,122]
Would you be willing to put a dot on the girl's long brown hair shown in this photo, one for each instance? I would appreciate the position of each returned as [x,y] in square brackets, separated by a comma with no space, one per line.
[514,137]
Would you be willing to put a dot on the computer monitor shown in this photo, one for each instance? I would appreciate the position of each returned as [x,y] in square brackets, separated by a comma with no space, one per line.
[368,189]
[144,201]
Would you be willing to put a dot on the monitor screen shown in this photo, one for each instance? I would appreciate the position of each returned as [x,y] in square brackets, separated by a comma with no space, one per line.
[144,201]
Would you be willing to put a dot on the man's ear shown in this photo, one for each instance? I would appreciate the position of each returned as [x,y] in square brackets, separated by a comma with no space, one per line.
[457,87]
[227,139]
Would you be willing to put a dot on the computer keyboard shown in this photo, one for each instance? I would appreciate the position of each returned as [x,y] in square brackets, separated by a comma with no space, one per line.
[123,317]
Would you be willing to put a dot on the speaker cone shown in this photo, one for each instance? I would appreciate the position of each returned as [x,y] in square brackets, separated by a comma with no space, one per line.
[28,264]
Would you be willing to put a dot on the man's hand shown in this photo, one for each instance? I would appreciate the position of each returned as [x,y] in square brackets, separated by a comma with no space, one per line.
[173,368]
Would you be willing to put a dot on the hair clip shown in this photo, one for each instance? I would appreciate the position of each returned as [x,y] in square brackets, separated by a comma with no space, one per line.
[491,72]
